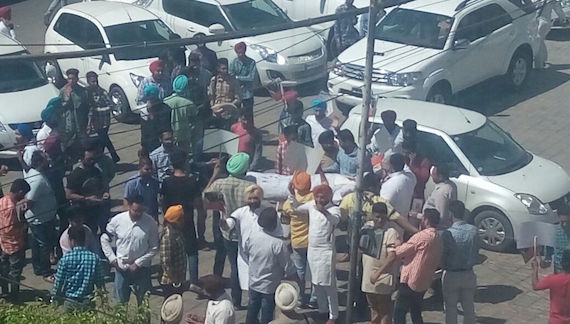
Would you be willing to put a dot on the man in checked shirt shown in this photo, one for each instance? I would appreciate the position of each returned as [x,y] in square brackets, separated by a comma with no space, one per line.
[78,272]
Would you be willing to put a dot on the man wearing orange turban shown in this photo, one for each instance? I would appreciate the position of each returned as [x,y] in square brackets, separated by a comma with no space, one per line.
[155,68]
[323,217]
[301,188]
[172,253]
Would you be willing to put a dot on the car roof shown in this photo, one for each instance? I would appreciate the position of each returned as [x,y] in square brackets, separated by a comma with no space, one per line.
[448,119]
[445,7]
[8,45]
[109,13]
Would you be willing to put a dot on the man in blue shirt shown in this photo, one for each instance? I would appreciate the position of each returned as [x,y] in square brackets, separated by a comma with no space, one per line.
[244,70]
[78,272]
[146,185]
[347,156]
[460,253]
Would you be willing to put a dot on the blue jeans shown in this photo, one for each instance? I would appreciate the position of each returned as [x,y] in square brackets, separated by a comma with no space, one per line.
[43,242]
[232,252]
[140,279]
[259,301]
[299,257]
[193,267]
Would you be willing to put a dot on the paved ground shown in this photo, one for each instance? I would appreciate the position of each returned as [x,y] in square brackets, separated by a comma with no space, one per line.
[536,118]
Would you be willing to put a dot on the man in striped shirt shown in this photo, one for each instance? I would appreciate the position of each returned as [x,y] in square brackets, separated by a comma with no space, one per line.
[421,256]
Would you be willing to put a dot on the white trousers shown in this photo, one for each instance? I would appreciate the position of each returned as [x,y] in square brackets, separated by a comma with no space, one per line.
[459,287]
[327,298]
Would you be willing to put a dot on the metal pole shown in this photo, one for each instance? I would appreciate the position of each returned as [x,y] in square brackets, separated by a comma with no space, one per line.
[357,217]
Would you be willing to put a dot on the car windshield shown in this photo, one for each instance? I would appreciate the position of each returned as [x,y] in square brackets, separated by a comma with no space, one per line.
[492,151]
[137,33]
[20,75]
[416,28]
[265,13]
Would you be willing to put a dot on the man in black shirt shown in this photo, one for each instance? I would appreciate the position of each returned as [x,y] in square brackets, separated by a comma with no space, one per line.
[86,188]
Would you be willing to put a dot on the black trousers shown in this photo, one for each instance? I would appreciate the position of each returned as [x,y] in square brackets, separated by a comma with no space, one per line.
[408,301]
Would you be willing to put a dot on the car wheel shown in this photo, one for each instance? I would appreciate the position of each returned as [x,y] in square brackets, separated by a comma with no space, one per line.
[440,93]
[121,109]
[495,231]
[519,69]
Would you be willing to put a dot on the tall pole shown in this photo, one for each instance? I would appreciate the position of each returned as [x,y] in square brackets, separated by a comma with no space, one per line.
[357,216]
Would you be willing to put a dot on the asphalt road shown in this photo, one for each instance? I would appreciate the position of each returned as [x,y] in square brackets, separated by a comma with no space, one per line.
[536,117]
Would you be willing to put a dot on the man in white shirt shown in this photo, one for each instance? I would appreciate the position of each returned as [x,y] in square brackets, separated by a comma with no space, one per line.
[220,308]
[26,145]
[267,256]
[319,121]
[384,136]
[398,186]
[443,193]
[40,216]
[136,236]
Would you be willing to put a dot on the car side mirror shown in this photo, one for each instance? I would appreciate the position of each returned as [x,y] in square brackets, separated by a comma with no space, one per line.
[460,44]
[216,29]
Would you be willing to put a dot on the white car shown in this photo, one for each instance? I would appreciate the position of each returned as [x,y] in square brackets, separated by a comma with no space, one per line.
[295,56]
[98,24]
[432,49]
[501,184]
[303,9]
[24,93]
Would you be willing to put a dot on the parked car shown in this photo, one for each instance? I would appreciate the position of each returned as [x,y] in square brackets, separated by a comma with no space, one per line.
[99,24]
[501,184]
[432,49]
[303,9]
[295,56]
[24,93]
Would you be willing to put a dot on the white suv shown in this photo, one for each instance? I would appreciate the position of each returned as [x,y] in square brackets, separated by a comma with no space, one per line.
[98,24]
[431,49]
[296,56]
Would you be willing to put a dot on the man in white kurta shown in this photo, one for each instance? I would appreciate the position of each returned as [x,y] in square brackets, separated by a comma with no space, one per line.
[323,217]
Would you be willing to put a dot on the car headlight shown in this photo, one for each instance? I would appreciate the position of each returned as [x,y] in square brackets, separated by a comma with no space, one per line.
[404,79]
[137,79]
[533,204]
[338,68]
[268,54]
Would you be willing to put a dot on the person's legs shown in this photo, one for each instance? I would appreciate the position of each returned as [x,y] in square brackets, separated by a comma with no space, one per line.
[220,257]
[17,262]
[450,296]
[4,272]
[417,299]
[141,283]
[299,257]
[201,224]
[253,307]
[332,298]
[103,135]
[247,106]
[402,304]
[193,267]
[267,308]
[322,299]
[122,286]
[232,251]
[467,297]
[372,300]
[42,243]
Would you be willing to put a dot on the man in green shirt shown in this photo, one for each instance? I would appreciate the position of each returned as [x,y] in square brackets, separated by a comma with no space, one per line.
[184,113]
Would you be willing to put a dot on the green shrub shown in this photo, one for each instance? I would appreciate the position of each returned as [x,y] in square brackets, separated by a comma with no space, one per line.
[103,313]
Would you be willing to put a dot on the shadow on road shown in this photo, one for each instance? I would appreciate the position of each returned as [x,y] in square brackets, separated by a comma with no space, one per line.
[490,320]
[493,96]
[496,294]
[559,35]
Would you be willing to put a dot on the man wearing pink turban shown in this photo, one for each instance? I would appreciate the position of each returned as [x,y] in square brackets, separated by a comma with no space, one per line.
[244,70]
[156,68]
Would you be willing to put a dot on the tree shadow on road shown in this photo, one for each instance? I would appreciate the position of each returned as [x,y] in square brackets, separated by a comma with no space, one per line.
[496,294]
[494,96]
